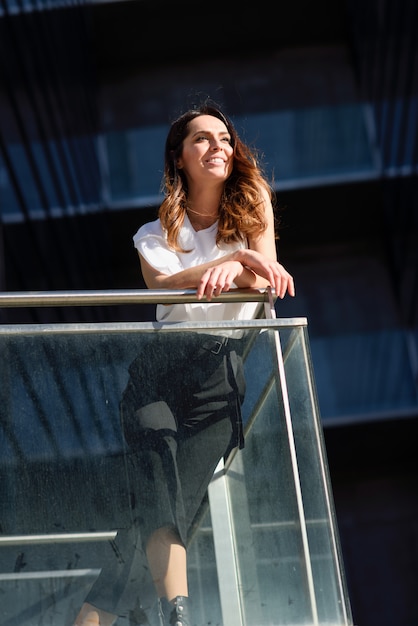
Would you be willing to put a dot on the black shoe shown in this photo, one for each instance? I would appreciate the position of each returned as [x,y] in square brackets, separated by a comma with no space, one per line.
[179,615]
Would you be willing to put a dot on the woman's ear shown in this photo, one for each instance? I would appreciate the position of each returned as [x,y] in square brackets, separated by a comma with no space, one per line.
[179,163]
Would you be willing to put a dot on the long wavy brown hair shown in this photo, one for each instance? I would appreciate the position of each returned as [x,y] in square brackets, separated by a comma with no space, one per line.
[241,213]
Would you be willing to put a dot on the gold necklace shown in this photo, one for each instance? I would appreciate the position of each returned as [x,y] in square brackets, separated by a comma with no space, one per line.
[201,214]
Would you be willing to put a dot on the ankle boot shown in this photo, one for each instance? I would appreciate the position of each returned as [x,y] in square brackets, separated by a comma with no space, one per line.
[177,616]
[180,615]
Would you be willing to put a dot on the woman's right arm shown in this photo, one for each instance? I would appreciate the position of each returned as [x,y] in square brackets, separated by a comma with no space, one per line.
[228,270]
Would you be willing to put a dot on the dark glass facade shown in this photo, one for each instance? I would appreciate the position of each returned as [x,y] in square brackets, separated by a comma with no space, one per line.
[328,93]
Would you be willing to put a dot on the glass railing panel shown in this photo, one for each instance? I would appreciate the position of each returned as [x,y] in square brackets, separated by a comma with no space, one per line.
[286,548]
[69,481]
[329,583]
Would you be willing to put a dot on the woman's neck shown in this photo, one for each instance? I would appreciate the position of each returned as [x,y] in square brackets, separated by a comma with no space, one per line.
[205,203]
[200,221]
[204,214]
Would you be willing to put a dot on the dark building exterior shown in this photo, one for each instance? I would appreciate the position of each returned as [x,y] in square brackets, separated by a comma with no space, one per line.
[328,92]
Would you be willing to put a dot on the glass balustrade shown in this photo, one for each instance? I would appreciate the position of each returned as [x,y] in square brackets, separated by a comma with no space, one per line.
[264,548]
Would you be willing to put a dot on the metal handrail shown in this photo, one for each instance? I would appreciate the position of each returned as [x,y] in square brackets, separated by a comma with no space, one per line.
[122,296]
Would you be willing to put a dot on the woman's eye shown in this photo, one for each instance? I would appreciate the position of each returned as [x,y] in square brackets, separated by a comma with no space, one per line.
[201,138]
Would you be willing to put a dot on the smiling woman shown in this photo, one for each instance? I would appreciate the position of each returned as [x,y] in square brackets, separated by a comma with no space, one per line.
[215,232]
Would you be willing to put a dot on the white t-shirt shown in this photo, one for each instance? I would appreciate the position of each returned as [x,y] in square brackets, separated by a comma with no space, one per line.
[151,243]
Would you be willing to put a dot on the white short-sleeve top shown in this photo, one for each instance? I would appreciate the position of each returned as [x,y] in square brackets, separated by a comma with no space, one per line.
[151,242]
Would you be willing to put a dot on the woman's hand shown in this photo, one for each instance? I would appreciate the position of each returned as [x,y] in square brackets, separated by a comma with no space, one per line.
[278,277]
[219,278]
[250,265]
[271,270]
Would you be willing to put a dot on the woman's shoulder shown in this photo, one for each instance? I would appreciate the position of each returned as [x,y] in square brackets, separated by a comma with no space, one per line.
[149,228]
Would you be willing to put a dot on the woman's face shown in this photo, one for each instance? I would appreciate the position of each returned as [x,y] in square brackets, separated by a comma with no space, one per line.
[207,153]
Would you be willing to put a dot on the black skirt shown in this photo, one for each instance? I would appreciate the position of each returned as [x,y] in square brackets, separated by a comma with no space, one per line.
[179,387]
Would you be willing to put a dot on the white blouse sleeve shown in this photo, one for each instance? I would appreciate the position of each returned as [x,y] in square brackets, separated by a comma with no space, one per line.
[151,243]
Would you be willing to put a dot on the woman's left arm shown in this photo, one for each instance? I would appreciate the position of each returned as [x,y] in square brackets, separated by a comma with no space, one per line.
[261,258]
[258,263]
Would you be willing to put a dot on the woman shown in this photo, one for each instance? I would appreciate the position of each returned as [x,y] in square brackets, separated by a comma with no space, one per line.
[215,231]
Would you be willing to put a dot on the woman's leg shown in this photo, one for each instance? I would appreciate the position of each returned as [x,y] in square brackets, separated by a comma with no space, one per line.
[197,457]
[167,561]
[89,615]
